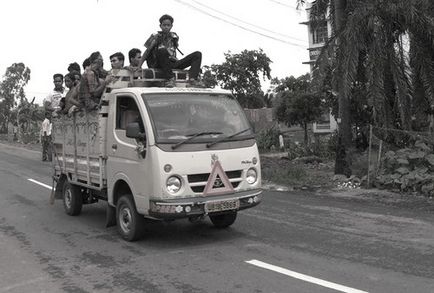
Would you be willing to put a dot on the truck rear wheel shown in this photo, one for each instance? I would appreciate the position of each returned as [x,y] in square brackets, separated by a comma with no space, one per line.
[72,199]
[223,220]
[130,223]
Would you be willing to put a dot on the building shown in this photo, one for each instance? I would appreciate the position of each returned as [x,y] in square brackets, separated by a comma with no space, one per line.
[318,36]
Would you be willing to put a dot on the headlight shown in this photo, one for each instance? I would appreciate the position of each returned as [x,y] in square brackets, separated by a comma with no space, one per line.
[251,176]
[173,184]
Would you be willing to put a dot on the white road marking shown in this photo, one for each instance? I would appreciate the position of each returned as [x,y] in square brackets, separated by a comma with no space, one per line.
[40,183]
[303,277]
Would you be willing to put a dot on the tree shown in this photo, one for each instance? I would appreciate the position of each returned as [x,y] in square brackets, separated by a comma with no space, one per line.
[12,89]
[240,73]
[208,77]
[299,109]
[369,50]
[297,104]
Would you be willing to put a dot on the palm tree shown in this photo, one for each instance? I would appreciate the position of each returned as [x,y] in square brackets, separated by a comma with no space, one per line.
[387,48]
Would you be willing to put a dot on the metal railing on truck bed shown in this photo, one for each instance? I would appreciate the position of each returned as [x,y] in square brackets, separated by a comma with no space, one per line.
[78,150]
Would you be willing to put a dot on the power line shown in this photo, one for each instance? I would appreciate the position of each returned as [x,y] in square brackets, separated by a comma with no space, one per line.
[283,4]
[239,26]
[251,24]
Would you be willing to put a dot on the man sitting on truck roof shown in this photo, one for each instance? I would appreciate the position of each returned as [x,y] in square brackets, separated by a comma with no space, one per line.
[161,53]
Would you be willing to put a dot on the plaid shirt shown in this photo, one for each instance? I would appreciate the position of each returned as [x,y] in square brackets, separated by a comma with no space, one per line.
[88,84]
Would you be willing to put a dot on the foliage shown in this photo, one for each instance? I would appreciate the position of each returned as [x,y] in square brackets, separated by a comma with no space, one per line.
[292,84]
[12,90]
[383,52]
[240,73]
[322,147]
[296,104]
[268,139]
[208,77]
[408,169]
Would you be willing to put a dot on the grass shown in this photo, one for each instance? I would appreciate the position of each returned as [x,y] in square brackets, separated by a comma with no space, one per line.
[296,173]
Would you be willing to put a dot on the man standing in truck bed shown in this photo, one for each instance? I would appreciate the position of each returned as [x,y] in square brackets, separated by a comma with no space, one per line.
[161,53]
[92,83]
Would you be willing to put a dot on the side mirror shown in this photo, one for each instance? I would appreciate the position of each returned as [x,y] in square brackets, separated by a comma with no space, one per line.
[133,131]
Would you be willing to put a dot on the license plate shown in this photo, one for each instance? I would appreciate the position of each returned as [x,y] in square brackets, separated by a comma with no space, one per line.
[219,206]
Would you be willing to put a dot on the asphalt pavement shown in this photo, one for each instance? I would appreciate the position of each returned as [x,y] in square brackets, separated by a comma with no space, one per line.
[292,242]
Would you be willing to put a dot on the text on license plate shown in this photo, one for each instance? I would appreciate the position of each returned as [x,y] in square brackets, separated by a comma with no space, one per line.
[218,206]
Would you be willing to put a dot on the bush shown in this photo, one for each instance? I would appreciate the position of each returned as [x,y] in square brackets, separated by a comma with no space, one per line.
[322,146]
[268,139]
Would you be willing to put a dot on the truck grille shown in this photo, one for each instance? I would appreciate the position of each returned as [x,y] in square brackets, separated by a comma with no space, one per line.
[198,182]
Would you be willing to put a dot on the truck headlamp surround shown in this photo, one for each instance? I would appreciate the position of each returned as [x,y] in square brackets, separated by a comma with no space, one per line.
[173,184]
[251,176]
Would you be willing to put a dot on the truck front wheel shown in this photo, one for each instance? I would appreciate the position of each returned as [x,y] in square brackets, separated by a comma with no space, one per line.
[72,199]
[130,223]
[223,220]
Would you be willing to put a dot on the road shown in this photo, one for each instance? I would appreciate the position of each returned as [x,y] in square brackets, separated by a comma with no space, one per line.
[292,242]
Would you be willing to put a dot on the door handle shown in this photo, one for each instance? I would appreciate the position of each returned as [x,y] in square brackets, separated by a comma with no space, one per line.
[114,146]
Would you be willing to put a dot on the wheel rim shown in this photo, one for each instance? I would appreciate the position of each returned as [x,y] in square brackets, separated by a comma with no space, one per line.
[68,198]
[125,219]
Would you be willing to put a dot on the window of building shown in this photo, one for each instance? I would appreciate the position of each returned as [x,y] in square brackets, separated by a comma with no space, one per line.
[320,34]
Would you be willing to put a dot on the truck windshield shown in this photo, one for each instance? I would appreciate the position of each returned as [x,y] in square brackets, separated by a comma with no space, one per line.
[177,117]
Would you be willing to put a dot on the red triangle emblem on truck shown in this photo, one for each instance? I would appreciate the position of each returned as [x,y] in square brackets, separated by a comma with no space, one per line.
[218,182]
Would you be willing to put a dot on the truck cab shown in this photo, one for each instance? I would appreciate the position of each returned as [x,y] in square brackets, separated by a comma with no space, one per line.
[159,153]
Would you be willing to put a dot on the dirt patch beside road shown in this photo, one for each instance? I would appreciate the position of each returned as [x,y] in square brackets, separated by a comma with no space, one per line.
[281,174]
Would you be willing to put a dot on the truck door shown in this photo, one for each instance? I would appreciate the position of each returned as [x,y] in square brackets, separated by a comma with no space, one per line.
[127,159]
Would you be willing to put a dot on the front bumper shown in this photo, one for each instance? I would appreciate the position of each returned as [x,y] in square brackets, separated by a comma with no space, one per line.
[197,206]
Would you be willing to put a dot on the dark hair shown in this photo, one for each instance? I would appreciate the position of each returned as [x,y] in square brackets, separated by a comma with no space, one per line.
[94,56]
[86,63]
[132,53]
[118,55]
[74,67]
[72,75]
[58,75]
[166,16]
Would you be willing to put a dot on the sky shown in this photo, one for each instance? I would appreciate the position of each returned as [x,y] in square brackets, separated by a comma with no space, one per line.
[48,35]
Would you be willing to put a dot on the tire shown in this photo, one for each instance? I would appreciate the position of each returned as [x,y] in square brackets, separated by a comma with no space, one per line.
[72,199]
[223,220]
[130,223]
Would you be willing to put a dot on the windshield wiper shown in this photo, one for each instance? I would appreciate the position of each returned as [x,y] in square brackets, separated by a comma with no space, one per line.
[194,136]
[208,145]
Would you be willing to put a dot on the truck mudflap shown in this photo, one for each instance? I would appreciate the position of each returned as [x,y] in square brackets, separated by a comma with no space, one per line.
[198,206]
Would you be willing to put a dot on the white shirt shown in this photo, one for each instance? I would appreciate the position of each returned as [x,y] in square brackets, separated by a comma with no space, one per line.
[54,98]
[46,126]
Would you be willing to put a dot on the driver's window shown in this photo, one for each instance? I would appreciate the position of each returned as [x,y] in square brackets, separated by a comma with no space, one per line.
[127,111]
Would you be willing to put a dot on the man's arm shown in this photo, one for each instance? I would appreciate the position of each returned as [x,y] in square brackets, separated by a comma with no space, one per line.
[149,45]
[144,57]
[96,87]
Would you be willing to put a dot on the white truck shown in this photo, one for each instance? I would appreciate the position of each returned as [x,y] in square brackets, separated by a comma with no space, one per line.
[159,153]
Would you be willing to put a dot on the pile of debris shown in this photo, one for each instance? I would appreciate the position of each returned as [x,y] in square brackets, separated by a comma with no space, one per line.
[352,182]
